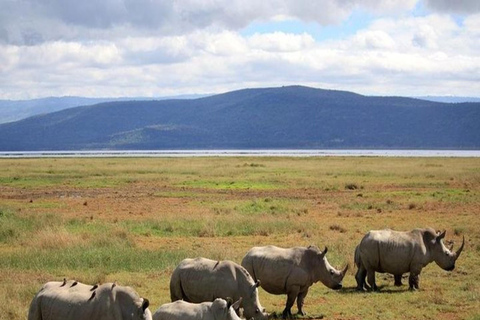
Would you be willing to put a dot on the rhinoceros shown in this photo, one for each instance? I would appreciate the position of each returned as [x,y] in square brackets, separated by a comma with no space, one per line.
[201,280]
[219,309]
[291,271]
[397,252]
[72,300]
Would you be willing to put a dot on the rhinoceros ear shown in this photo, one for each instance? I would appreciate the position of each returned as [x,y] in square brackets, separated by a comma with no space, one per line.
[441,235]
[254,287]
[145,304]
[229,302]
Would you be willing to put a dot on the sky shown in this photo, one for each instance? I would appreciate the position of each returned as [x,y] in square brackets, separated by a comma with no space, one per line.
[154,48]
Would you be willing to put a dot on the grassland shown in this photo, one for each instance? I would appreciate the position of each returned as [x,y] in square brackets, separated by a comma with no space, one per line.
[132,220]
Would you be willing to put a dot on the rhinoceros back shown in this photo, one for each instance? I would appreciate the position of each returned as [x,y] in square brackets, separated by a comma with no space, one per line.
[388,251]
[200,279]
[72,300]
[271,265]
[55,299]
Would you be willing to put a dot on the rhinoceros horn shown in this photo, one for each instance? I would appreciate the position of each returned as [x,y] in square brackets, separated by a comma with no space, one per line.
[457,254]
[235,305]
[344,271]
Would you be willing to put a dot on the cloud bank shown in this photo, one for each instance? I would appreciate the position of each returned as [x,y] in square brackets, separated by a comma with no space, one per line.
[154,48]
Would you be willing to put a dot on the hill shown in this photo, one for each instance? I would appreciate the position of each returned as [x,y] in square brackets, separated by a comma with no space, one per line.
[288,117]
[14,110]
[450,99]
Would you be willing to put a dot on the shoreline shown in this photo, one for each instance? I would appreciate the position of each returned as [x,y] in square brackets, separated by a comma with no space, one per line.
[241,153]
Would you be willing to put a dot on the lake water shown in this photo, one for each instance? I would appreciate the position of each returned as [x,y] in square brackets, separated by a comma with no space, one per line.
[240,153]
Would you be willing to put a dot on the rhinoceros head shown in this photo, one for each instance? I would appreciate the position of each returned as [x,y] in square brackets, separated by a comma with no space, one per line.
[442,256]
[325,273]
[222,309]
[252,309]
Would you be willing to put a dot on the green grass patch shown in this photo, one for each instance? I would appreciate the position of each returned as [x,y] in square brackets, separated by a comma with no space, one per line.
[96,258]
[260,206]
[369,205]
[175,194]
[14,227]
[464,196]
[224,226]
[31,181]
[230,184]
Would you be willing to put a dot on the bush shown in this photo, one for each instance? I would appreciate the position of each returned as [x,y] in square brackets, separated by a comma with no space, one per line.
[351,186]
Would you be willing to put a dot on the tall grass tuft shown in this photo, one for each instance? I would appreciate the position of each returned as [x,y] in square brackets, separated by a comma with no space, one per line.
[106,259]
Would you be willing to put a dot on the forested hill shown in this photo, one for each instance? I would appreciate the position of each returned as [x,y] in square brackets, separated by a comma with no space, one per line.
[293,117]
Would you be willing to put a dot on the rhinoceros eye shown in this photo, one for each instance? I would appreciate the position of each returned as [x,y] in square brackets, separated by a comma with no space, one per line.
[332,272]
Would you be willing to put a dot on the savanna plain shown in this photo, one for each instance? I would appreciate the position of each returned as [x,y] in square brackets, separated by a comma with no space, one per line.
[132,220]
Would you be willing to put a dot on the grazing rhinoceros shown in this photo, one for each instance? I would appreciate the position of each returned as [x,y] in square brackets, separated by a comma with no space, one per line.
[71,300]
[201,280]
[396,252]
[219,309]
[291,271]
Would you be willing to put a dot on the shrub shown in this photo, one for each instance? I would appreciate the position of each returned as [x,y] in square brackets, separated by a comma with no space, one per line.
[351,186]
[336,227]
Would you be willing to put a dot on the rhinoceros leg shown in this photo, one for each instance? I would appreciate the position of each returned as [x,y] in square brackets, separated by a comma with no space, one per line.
[291,296]
[413,280]
[398,280]
[300,300]
[360,277]
[371,280]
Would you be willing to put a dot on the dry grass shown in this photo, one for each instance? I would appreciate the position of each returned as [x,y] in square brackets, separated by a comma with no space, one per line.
[132,220]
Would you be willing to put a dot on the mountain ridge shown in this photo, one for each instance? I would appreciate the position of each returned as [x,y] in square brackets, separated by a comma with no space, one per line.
[14,110]
[295,117]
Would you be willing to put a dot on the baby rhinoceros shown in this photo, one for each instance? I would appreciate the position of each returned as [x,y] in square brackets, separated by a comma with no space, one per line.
[291,271]
[397,252]
[219,309]
[201,280]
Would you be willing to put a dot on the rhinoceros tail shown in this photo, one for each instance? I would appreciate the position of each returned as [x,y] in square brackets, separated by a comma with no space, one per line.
[357,259]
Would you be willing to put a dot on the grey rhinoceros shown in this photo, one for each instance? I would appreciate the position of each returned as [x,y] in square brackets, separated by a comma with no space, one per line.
[291,271]
[219,309]
[201,280]
[397,252]
[71,300]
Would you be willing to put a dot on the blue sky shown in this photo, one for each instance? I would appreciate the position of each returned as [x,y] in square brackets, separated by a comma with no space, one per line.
[357,20]
[115,48]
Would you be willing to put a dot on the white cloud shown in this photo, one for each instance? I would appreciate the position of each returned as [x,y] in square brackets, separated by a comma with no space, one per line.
[374,39]
[386,6]
[280,41]
[454,6]
[153,50]
[224,43]
[142,47]
[32,21]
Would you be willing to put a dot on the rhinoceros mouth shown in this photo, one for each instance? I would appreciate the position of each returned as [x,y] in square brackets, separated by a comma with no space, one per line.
[338,287]
[450,268]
